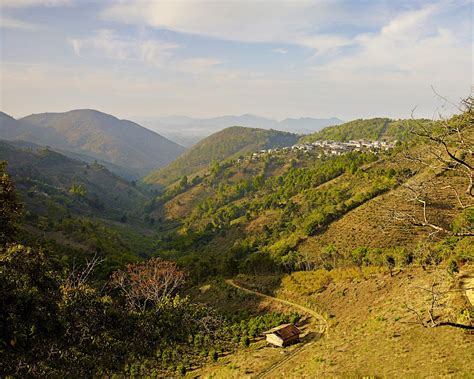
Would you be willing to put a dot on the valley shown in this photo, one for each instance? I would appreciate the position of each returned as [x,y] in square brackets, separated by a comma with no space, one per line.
[253,228]
[236,189]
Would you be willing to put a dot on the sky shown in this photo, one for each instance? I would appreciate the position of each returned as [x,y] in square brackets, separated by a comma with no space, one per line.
[135,59]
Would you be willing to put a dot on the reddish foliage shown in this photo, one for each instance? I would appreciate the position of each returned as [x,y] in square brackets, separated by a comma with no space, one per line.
[148,282]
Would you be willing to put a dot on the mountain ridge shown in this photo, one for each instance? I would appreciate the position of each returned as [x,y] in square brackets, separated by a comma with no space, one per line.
[225,144]
[96,134]
[190,130]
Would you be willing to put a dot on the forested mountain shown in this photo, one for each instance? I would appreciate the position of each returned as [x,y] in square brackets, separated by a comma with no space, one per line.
[98,135]
[226,144]
[370,129]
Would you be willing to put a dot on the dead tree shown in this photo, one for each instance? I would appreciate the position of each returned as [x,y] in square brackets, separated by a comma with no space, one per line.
[428,314]
[80,274]
[448,147]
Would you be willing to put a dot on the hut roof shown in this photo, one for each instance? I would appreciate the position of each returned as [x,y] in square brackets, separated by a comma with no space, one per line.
[284,331]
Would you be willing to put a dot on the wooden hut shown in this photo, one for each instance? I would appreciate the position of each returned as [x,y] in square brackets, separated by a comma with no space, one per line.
[283,335]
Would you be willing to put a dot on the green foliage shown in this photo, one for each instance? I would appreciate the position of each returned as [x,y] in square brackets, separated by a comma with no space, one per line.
[245,341]
[78,190]
[213,355]
[464,221]
[10,208]
[43,311]
[370,129]
[28,300]
[229,143]
[453,267]
[298,200]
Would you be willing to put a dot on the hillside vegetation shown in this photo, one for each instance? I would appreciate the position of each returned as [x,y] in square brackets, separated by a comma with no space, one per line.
[373,244]
[226,144]
[76,208]
[372,129]
[368,323]
[41,174]
[260,213]
[95,134]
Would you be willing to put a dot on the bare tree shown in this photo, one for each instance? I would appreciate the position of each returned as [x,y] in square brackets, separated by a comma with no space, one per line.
[448,147]
[80,274]
[430,312]
[148,282]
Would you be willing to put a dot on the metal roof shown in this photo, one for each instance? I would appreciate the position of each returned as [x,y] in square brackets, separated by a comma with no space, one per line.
[284,331]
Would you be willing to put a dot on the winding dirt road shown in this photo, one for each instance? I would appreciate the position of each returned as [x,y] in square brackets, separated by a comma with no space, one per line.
[312,336]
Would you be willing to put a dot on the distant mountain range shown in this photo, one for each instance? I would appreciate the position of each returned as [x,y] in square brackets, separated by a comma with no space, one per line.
[133,151]
[122,146]
[187,131]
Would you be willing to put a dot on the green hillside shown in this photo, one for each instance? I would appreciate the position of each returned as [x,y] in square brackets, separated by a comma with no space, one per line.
[42,174]
[76,208]
[226,144]
[127,146]
[370,129]
[351,247]
[288,210]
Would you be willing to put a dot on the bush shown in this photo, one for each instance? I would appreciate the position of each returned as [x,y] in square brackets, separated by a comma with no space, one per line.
[453,267]
[213,355]
[181,369]
[245,341]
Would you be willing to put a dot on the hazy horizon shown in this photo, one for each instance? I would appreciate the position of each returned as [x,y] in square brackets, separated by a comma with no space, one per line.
[150,59]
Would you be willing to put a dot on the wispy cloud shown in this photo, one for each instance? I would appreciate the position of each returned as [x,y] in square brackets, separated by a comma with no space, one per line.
[376,58]
[411,45]
[289,22]
[107,43]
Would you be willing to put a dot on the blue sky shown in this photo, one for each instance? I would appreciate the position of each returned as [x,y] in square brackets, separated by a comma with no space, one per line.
[278,59]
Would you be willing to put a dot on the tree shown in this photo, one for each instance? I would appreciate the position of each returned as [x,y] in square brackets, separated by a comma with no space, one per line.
[183,184]
[78,189]
[435,308]
[29,292]
[448,148]
[147,283]
[10,208]
[390,263]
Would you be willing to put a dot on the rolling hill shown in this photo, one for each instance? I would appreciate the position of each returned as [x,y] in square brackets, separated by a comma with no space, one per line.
[46,179]
[299,230]
[226,144]
[95,134]
[280,209]
[369,129]
[77,209]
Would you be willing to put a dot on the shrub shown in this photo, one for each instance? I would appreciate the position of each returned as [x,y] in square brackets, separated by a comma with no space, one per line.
[453,267]
[213,355]
[181,369]
[245,341]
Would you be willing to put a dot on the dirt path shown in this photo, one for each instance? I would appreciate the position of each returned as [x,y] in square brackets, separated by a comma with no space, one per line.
[312,336]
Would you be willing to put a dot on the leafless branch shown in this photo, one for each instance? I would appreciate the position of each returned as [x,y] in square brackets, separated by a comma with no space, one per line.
[79,275]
